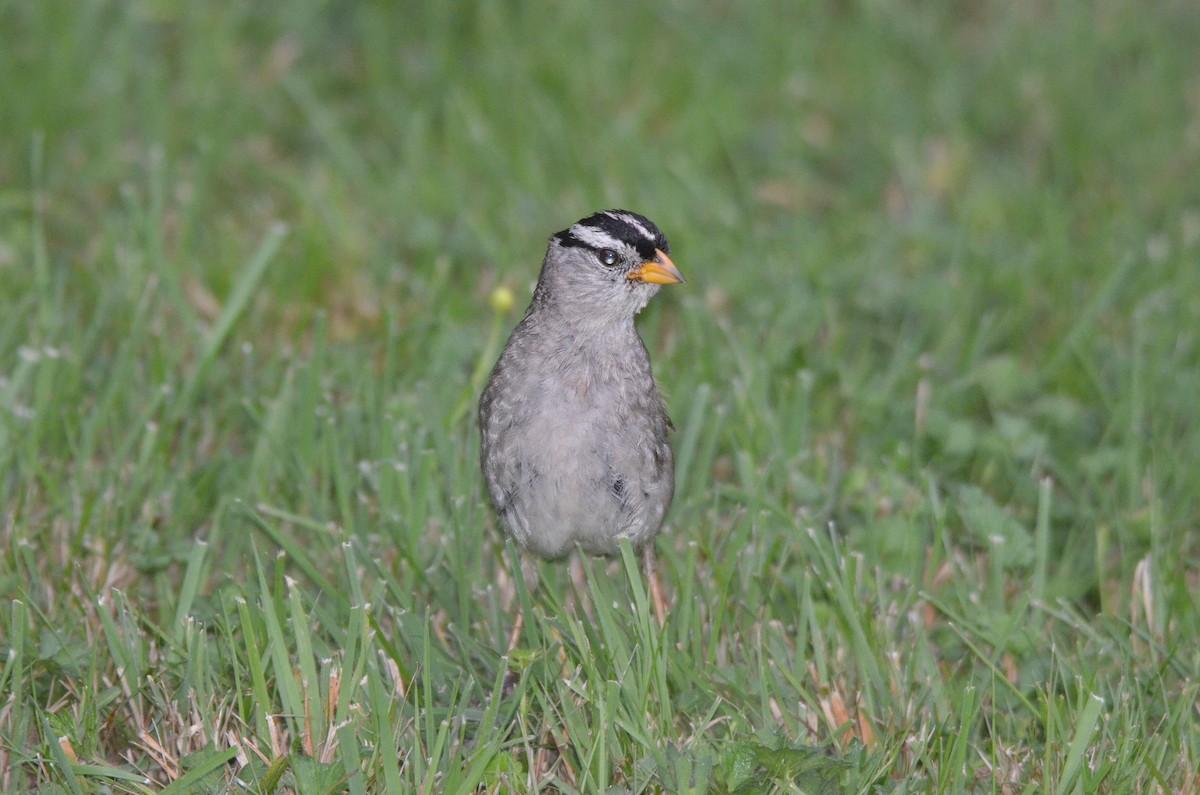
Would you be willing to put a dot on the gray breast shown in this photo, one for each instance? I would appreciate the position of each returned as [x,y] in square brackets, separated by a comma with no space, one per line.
[575,444]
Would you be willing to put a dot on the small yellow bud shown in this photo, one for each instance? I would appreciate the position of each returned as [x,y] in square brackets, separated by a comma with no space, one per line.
[502,300]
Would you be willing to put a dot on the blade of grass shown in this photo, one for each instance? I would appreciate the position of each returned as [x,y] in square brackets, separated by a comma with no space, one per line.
[191,582]
[210,764]
[387,752]
[235,307]
[1085,729]
[296,553]
[1041,560]
[64,765]
[310,683]
[285,680]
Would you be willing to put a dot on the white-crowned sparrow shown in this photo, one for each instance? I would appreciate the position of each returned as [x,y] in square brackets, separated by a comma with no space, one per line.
[574,429]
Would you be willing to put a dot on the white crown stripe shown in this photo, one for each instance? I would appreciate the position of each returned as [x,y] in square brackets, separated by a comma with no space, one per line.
[629,219]
[595,238]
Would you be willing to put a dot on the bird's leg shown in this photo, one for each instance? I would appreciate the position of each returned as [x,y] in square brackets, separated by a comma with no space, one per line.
[529,574]
[650,570]
[514,637]
[578,595]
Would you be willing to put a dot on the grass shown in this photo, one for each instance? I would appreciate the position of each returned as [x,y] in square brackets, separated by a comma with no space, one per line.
[934,377]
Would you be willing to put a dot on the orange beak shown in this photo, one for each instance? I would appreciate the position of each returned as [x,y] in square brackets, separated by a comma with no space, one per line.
[659,270]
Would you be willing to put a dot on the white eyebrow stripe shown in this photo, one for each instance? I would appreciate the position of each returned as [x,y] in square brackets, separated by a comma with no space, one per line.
[629,219]
[591,236]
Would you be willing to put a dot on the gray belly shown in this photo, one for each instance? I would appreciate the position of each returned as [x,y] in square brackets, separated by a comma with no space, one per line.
[575,475]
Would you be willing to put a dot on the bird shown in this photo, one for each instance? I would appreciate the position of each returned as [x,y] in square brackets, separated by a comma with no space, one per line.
[574,449]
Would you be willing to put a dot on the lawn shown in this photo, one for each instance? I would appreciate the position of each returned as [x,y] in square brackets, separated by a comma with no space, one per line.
[934,376]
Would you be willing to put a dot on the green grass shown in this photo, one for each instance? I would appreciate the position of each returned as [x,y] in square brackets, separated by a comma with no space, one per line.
[934,374]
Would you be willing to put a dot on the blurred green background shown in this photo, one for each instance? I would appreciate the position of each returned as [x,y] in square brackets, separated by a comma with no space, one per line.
[942,293]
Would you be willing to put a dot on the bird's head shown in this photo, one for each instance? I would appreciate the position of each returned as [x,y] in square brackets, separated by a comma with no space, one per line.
[606,267]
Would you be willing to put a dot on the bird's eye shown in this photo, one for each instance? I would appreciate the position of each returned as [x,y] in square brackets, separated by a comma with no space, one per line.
[608,256]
